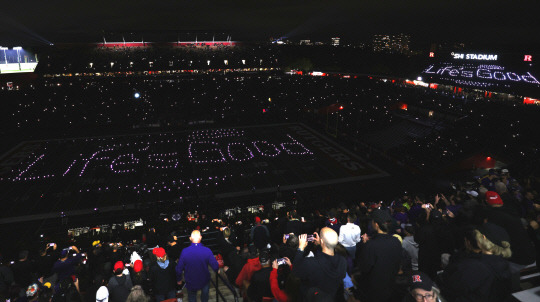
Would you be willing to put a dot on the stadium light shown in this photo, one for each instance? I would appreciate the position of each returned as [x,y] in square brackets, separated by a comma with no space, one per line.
[4,49]
[137,95]
[17,48]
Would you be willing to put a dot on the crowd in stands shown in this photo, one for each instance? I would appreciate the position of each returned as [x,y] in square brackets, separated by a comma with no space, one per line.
[135,59]
[98,105]
[468,244]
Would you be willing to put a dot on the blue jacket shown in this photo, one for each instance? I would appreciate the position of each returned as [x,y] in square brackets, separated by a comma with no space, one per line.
[193,263]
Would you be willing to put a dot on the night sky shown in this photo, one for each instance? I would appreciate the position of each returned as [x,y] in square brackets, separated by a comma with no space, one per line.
[481,22]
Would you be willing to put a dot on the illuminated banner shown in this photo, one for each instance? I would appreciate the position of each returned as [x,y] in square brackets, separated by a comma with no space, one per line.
[479,75]
[474,56]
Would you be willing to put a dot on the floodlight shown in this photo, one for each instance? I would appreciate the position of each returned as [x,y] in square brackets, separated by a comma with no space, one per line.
[3,48]
[17,48]
[137,95]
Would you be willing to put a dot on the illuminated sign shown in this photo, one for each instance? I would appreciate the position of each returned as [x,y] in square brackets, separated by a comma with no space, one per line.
[480,73]
[527,58]
[530,101]
[432,54]
[474,56]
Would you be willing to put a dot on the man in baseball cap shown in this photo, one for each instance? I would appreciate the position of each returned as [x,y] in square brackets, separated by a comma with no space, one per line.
[422,288]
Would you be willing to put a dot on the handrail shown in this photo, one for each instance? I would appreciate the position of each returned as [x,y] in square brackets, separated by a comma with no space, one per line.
[218,293]
[229,286]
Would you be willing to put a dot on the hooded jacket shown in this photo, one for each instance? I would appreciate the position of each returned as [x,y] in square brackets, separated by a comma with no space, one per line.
[411,247]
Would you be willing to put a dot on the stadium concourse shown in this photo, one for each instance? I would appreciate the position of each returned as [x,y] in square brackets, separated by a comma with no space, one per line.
[106,154]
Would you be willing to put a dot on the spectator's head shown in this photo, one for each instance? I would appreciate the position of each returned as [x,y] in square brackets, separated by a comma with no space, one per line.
[137,295]
[493,199]
[264,258]
[493,239]
[382,221]
[421,287]
[226,232]
[351,217]
[253,252]
[500,187]
[329,239]
[471,244]
[529,195]
[171,240]
[195,236]
[64,254]
[160,254]
[118,268]
[332,214]
[137,266]
[258,220]
[292,241]
[102,294]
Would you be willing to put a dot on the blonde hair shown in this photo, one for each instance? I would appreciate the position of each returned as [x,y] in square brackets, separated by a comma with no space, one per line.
[226,232]
[487,246]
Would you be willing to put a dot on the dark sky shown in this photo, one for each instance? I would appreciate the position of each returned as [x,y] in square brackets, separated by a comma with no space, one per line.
[483,22]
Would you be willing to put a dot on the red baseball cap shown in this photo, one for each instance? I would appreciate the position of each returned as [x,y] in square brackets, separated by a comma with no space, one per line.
[257,219]
[493,198]
[137,266]
[118,265]
[159,252]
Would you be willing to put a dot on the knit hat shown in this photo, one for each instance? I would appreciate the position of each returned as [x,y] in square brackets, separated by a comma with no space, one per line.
[102,294]
[421,280]
[257,219]
[492,198]
[159,252]
[118,265]
[494,233]
[137,266]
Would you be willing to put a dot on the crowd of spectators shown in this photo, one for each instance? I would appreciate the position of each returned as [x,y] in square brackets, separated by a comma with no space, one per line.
[468,244]
[88,60]
[99,105]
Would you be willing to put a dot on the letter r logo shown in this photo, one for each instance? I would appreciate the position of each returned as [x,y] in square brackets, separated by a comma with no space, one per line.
[527,58]
[416,278]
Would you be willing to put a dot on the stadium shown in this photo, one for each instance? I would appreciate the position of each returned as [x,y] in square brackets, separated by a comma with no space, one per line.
[129,144]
